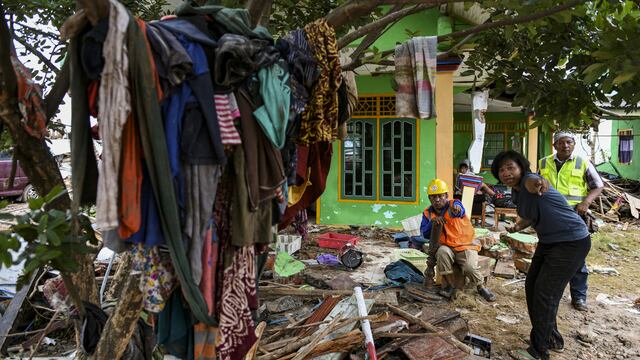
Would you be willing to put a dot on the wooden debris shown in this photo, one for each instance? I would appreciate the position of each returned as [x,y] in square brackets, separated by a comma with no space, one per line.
[252,352]
[282,291]
[12,311]
[414,320]
[505,269]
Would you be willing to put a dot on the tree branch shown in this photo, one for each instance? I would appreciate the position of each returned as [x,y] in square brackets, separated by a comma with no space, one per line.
[380,24]
[37,53]
[354,9]
[38,31]
[370,38]
[355,63]
[512,21]
[58,91]
[256,8]
[455,47]
[8,81]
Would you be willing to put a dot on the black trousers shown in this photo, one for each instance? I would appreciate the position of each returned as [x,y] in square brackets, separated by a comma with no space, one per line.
[552,266]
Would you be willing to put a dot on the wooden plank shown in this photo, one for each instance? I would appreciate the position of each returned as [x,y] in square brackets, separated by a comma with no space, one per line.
[505,269]
[532,146]
[444,127]
[10,315]
[467,200]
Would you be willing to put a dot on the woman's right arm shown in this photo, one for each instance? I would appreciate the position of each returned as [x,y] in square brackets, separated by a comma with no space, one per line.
[519,226]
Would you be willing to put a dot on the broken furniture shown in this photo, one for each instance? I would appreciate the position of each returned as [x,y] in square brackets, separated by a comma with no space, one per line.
[506,212]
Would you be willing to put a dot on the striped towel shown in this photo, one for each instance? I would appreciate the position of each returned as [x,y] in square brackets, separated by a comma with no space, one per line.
[227,110]
[415,63]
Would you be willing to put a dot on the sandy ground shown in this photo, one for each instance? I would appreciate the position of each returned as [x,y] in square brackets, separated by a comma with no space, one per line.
[609,330]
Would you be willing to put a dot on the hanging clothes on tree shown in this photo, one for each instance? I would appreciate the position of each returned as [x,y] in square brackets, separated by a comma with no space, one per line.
[320,118]
[114,105]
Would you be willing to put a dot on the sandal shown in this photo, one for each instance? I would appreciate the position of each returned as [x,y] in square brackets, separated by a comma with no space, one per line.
[487,294]
[521,354]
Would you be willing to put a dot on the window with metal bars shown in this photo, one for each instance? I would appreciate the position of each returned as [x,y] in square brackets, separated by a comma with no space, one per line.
[397,163]
[359,160]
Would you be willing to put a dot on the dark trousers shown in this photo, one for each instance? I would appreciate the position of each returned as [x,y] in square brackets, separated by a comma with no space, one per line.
[552,267]
[578,284]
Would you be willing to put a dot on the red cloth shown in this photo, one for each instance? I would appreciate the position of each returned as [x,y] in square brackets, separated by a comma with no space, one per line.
[319,161]
[29,101]
[92,98]
[209,267]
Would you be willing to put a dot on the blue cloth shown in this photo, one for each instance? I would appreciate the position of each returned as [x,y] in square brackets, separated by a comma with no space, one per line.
[425,225]
[173,109]
[550,215]
[578,284]
[150,232]
[186,29]
[175,328]
[402,272]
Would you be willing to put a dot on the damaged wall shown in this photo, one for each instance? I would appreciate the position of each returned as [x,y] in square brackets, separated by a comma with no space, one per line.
[631,170]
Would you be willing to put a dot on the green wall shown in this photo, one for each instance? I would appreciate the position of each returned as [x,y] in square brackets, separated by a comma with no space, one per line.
[421,24]
[333,211]
[632,170]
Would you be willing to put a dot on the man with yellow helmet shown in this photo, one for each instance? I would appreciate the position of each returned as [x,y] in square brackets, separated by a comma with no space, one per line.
[451,236]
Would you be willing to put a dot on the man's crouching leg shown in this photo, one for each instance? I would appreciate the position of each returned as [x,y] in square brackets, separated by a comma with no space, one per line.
[445,260]
[468,260]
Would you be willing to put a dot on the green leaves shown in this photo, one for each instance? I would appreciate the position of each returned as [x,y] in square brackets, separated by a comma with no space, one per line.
[48,237]
[563,64]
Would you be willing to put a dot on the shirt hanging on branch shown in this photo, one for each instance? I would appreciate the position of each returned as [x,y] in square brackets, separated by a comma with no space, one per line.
[114,105]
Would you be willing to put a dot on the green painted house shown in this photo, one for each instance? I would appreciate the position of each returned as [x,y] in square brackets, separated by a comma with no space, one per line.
[623,133]
[380,171]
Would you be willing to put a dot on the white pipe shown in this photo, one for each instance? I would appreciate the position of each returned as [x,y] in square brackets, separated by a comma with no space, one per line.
[106,276]
[366,325]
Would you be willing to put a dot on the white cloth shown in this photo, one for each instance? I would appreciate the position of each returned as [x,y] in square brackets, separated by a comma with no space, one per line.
[114,105]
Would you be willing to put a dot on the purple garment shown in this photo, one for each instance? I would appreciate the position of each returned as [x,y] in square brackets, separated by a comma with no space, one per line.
[328,259]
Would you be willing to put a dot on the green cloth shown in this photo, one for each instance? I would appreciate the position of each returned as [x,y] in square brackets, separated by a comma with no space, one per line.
[247,227]
[273,115]
[147,112]
[234,21]
[285,265]
[84,177]
[481,232]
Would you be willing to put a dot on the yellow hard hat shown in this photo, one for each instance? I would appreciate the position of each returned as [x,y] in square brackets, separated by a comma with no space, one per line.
[437,186]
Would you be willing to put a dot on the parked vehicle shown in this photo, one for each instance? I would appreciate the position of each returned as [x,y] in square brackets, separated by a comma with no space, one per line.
[21,189]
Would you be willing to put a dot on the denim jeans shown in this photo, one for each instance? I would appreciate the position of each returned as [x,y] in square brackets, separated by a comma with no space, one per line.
[578,284]
[553,265]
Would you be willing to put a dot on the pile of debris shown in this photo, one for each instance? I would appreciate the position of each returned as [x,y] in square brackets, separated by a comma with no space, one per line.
[619,200]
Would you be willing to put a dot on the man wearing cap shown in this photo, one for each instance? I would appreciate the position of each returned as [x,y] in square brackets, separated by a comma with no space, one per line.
[577,179]
[451,241]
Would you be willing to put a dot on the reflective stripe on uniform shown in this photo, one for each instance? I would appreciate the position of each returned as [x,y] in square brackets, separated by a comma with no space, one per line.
[574,198]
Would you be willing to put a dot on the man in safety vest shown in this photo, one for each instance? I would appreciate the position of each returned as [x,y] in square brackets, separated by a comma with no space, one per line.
[450,236]
[577,179]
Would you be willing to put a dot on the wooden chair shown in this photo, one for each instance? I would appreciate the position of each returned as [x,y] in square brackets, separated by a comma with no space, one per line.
[481,216]
[507,212]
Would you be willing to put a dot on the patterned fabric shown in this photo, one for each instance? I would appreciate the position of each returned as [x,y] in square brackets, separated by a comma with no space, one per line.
[157,279]
[300,223]
[320,118]
[29,101]
[302,67]
[204,342]
[237,333]
[415,63]
[227,110]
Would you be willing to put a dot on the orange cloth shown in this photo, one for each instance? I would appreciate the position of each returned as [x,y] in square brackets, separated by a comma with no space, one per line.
[458,232]
[129,211]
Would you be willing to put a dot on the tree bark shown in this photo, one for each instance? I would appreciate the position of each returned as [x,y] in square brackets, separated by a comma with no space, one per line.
[122,323]
[354,9]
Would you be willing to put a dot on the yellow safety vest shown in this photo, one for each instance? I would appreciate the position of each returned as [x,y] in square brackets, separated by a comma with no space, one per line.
[570,182]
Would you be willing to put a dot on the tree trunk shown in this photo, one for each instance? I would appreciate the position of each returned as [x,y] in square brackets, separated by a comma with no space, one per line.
[122,322]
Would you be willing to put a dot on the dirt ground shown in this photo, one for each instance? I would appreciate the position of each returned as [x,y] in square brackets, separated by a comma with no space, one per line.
[610,331]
